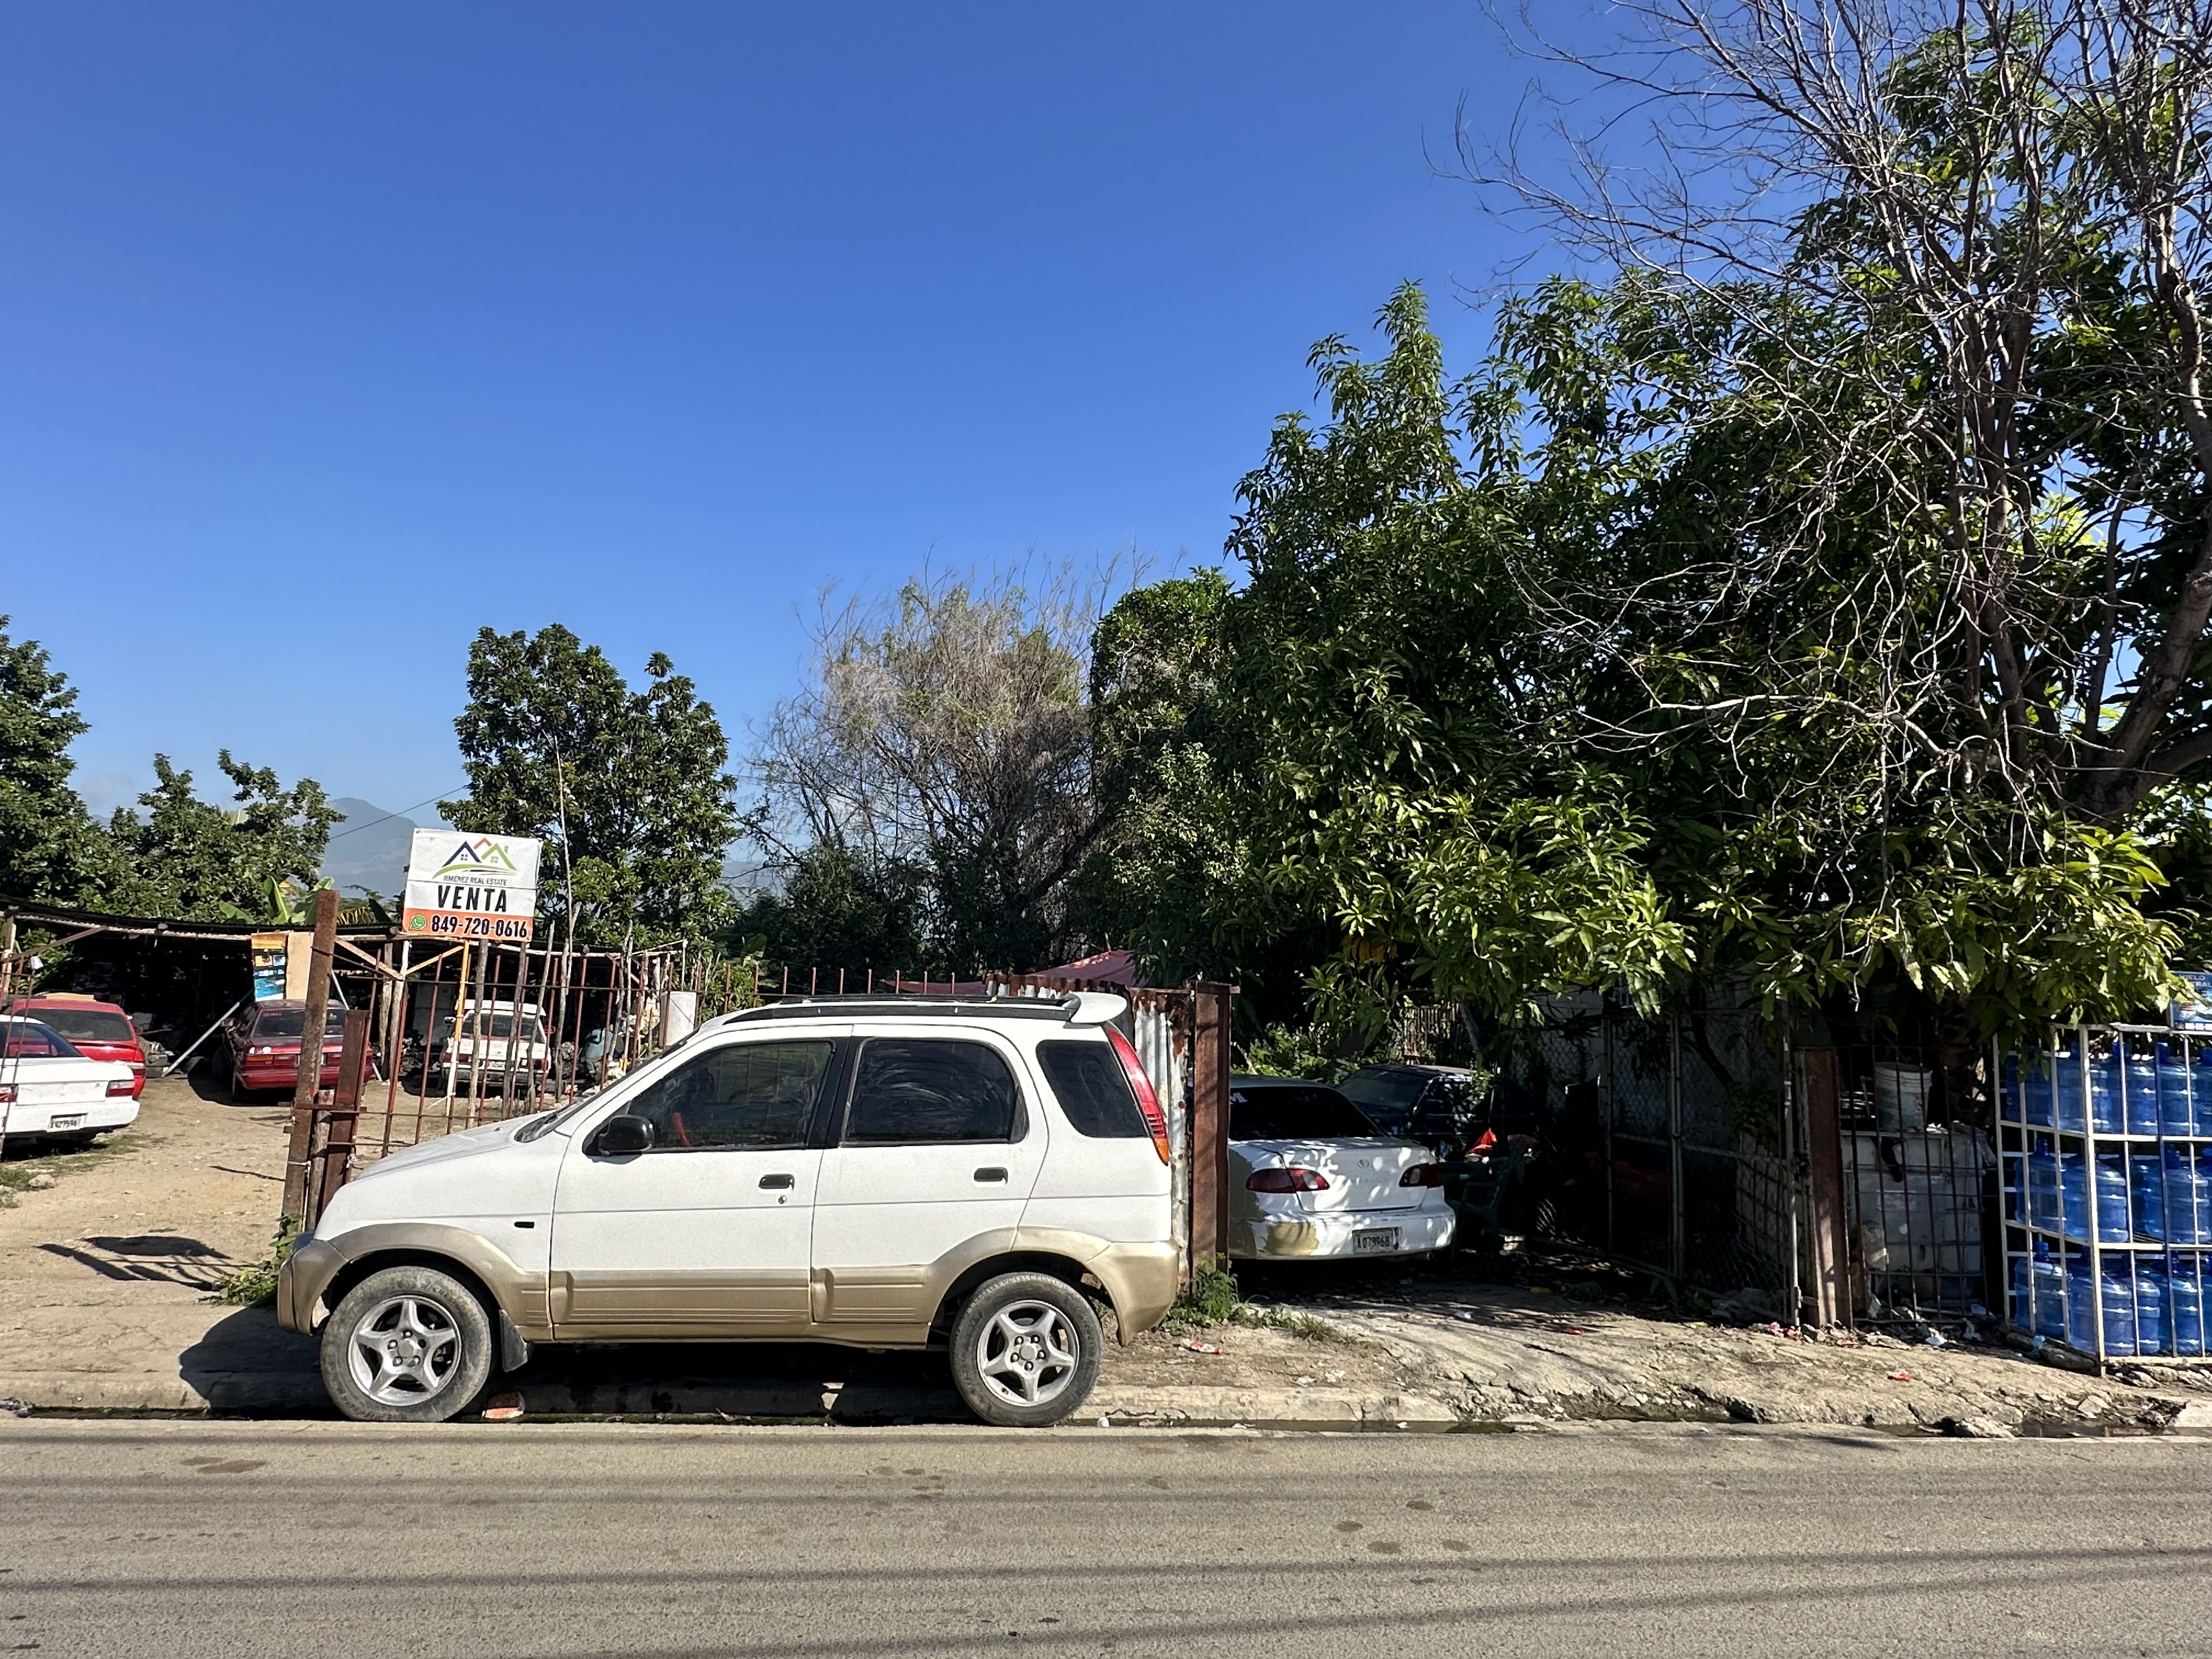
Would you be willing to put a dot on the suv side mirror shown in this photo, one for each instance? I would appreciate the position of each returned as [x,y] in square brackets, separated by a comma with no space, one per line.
[620,1135]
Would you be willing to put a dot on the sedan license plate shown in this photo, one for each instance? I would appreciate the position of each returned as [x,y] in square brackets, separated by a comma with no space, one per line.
[66,1121]
[1374,1241]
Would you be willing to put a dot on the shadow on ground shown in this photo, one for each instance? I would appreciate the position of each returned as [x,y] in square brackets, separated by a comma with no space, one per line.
[247,1366]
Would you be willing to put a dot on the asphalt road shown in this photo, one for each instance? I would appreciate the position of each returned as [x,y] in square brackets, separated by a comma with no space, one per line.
[181,1539]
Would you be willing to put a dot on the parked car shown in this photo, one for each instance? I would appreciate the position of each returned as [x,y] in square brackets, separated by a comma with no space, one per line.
[261,1047]
[504,1037]
[1311,1176]
[50,1091]
[96,1029]
[1436,1105]
[880,1172]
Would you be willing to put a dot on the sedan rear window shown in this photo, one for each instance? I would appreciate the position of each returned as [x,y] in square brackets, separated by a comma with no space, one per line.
[1093,1089]
[282,1025]
[28,1040]
[86,1024]
[1294,1111]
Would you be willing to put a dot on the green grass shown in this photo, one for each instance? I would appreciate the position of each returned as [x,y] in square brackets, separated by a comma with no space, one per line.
[255,1286]
[1211,1300]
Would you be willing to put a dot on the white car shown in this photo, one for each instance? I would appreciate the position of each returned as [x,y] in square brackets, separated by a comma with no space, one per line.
[880,1172]
[493,1030]
[1310,1175]
[50,1090]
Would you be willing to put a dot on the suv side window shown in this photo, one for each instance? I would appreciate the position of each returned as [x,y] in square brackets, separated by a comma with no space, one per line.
[917,1091]
[1092,1090]
[741,1094]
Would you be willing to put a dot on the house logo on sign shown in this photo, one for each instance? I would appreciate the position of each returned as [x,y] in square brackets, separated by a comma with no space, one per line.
[481,857]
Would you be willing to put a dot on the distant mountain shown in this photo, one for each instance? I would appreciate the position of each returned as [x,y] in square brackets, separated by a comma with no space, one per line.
[369,850]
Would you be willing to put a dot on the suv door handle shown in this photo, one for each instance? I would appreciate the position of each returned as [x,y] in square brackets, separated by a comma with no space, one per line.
[992,1174]
[773,1181]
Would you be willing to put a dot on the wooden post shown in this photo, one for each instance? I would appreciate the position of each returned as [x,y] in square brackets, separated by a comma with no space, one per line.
[341,1123]
[1827,1249]
[1209,1123]
[312,1018]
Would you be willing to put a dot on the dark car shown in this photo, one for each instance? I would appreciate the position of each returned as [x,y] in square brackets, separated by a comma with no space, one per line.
[96,1029]
[261,1047]
[1428,1103]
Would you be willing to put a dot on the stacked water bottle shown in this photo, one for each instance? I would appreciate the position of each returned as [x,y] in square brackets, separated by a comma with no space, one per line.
[2108,1192]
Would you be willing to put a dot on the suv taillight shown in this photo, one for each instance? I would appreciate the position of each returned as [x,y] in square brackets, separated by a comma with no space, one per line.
[1287,1180]
[1148,1103]
[118,1085]
[1422,1174]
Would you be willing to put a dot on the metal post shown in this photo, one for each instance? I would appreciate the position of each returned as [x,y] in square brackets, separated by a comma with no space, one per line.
[313,1018]
[453,1038]
[1677,1252]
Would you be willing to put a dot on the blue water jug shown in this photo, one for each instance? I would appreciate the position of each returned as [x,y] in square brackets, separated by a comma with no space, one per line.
[2035,1089]
[2113,1227]
[2139,1077]
[2107,1078]
[2200,1088]
[2151,1336]
[2188,1203]
[2066,1092]
[2047,1316]
[2147,1183]
[2043,1210]
[2174,1112]
[2074,1193]
[2113,1292]
[2185,1299]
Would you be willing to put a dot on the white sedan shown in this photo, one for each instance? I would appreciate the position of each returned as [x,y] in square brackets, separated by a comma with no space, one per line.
[49,1090]
[1310,1175]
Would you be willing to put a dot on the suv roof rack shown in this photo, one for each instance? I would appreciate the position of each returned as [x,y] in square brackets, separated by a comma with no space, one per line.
[1076,1008]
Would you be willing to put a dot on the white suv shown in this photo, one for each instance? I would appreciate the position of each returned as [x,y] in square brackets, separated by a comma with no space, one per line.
[880,1172]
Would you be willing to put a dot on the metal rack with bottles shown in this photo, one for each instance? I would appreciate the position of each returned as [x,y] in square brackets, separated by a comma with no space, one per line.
[2105,1146]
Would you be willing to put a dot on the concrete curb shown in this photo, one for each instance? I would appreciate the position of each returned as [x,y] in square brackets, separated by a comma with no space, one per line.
[300,1395]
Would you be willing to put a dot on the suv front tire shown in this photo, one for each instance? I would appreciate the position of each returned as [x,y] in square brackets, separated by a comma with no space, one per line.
[1025,1351]
[407,1345]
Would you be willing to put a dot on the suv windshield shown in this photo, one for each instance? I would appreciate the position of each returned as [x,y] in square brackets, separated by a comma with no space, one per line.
[282,1025]
[1392,1091]
[1294,1111]
[86,1024]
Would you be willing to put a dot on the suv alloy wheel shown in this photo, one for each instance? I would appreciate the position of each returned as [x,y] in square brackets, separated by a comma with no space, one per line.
[1025,1351]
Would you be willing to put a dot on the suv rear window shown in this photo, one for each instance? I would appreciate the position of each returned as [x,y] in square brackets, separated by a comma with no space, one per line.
[86,1024]
[1093,1089]
[1296,1111]
[914,1091]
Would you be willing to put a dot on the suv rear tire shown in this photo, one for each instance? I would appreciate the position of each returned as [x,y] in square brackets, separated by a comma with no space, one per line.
[1025,1351]
[407,1345]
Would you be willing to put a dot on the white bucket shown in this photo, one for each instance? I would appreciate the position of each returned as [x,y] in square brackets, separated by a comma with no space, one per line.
[1901,1096]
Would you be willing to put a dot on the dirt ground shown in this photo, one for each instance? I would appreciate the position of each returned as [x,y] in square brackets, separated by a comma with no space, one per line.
[161,1212]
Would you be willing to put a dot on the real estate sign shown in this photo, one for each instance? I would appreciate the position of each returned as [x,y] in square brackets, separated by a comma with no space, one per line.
[471,886]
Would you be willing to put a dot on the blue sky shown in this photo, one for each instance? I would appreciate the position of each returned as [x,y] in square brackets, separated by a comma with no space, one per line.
[330,334]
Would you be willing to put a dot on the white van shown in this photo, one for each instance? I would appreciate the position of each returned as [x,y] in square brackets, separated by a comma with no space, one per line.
[880,1172]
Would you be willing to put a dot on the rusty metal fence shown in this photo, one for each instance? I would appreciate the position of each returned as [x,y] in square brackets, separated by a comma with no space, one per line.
[1842,1182]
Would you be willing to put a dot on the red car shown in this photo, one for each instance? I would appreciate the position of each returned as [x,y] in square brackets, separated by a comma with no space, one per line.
[262,1045]
[96,1029]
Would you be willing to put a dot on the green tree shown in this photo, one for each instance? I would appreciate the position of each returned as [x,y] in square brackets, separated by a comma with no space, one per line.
[625,786]
[836,909]
[180,856]
[50,851]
